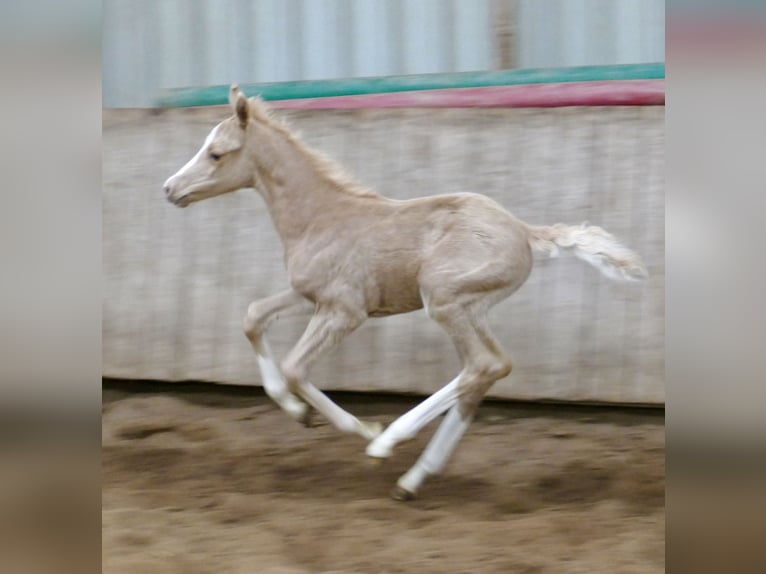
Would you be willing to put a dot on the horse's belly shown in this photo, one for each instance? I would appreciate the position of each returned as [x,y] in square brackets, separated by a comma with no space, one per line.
[392,298]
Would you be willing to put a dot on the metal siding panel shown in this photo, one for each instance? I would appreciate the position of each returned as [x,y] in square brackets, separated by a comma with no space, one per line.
[627,30]
[198,43]
[345,19]
[554,33]
[174,44]
[270,55]
[444,23]
[472,38]
[218,22]
[532,37]
[372,55]
[322,40]
[155,44]
[292,35]
[574,33]
[242,67]
[141,47]
[600,37]
[151,47]
[262,60]
[423,38]
[557,29]
[395,45]
[111,63]
[413,42]
[121,73]
[653,44]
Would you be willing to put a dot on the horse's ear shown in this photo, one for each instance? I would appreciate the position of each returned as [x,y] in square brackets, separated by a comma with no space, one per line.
[233,91]
[239,103]
[243,109]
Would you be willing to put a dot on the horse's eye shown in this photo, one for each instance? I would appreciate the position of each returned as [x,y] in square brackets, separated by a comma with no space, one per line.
[215,156]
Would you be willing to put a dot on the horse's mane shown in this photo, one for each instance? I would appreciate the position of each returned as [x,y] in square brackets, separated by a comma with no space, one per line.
[328,169]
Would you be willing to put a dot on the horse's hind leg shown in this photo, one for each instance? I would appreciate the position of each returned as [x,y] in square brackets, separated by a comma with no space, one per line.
[410,423]
[484,362]
[435,456]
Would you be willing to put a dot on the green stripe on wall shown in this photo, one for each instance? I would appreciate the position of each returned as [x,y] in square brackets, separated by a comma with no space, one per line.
[218,95]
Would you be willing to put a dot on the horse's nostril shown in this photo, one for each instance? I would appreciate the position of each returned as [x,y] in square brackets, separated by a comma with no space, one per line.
[166,189]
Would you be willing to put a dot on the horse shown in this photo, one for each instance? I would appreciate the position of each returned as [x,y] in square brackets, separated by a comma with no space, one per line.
[352,254]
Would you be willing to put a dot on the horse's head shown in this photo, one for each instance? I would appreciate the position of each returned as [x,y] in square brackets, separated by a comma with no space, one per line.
[220,166]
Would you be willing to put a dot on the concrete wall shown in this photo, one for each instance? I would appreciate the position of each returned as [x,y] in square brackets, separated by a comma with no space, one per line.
[177,282]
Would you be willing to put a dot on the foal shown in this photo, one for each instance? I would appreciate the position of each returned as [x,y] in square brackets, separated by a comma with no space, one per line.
[352,254]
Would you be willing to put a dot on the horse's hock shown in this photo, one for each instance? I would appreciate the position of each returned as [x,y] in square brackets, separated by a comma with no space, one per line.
[178,282]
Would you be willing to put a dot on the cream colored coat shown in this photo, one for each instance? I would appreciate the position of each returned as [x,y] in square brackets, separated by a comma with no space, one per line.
[352,254]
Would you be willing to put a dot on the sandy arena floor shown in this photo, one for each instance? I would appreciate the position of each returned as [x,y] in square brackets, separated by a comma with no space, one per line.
[216,481]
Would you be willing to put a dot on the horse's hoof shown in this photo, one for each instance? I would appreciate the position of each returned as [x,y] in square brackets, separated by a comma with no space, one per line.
[308,419]
[376,449]
[402,494]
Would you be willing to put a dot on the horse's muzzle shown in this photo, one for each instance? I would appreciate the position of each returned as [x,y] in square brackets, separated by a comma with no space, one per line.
[178,201]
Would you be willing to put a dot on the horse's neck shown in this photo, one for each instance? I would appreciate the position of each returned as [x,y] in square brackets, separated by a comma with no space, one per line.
[298,195]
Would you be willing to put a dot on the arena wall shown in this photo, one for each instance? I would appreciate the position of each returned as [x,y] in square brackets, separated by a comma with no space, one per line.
[177,282]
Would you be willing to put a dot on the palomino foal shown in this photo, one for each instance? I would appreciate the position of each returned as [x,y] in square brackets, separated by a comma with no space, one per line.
[353,254]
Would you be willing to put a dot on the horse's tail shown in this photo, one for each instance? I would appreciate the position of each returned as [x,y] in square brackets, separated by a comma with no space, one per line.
[589,243]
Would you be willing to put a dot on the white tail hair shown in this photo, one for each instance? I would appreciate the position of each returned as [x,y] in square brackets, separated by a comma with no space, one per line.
[589,243]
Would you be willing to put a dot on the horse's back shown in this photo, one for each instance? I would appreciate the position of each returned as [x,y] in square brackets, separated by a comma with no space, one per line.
[393,252]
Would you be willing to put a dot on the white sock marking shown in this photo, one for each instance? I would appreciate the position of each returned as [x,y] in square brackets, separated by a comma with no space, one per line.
[437,452]
[411,422]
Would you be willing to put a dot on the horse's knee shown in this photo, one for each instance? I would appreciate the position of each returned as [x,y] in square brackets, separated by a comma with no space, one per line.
[478,379]
[498,369]
[252,323]
[491,369]
[293,374]
[440,308]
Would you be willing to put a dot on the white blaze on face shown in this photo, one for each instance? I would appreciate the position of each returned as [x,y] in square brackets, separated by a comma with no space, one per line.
[199,155]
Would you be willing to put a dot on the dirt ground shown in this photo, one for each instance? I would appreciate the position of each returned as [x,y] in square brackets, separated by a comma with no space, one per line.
[201,480]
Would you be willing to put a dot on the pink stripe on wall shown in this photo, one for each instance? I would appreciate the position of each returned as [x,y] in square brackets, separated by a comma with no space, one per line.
[599,93]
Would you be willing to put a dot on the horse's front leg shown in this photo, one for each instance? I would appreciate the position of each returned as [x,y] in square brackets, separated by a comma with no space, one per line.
[328,326]
[259,314]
